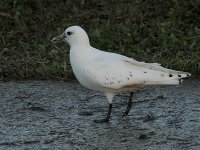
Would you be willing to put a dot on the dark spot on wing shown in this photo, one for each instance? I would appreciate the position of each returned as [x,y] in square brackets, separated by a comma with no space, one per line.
[128,78]
[111,83]
[170,75]
[188,75]
[106,78]
[144,71]
[130,74]
[179,75]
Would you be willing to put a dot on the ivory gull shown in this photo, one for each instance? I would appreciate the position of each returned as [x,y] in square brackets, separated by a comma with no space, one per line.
[112,73]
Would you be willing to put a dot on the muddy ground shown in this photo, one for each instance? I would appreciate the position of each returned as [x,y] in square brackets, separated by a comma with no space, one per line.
[53,115]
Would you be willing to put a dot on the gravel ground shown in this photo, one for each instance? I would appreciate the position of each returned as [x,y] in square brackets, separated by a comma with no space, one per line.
[54,115]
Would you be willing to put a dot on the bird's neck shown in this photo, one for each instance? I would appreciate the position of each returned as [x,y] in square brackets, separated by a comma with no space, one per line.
[79,51]
[80,42]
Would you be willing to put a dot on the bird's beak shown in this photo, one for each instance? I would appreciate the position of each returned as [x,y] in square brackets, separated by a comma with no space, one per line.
[59,38]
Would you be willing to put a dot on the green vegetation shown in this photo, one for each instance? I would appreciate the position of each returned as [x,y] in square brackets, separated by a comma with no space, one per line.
[167,32]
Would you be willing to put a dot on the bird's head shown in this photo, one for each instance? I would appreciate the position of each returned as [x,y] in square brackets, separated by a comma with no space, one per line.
[74,36]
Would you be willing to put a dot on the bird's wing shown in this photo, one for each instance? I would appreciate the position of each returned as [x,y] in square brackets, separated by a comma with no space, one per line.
[154,66]
[116,71]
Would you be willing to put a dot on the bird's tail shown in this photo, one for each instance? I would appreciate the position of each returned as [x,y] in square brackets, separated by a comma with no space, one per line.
[173,79]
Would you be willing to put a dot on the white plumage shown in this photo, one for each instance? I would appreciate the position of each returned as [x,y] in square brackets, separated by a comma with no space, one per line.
[112,73]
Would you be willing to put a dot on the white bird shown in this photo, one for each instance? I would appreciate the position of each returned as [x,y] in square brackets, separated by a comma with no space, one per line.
[112,73]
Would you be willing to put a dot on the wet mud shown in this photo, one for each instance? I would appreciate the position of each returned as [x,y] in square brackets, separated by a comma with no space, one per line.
[53,115]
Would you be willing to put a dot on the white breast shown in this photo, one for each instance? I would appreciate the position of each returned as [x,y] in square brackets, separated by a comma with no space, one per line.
[79,61]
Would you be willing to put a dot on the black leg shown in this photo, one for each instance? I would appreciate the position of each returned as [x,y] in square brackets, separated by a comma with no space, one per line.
[129,105]
[107,117]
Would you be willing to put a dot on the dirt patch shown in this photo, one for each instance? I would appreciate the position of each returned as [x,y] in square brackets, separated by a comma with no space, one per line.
[59,115]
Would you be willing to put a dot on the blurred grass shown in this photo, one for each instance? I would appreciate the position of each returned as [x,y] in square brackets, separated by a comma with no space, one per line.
[167,32]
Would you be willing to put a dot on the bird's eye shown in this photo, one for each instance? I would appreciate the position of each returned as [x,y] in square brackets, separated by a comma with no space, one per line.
[69,33]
